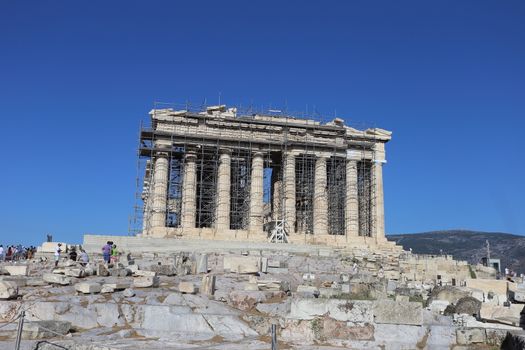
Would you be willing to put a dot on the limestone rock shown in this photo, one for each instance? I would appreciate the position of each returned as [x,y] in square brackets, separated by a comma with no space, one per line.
[102,270]
[128,293]
[274,263]
[187,288]
[145,273]
[19,281]
[448,293]
[242,264]
[88,288]
[208,285]
[510,315]
[35,282]
[393,312]
[469,336]
[8,290]
[74,272]
[402,298]
[79,316]
[341,310]
[245,300]
[329,292]
[174,299]
[251,286]
[229,327]
[159,320]
[146,281]
[519,295]
[163,270]
[119,272]
[438,306]
[117,285]
[45,329]
[275,309]
[202,264]
[16,270]
[56,279]
[264,265]
[106,289]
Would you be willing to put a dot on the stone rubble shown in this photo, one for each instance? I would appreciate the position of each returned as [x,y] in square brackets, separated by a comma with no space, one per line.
[225,298]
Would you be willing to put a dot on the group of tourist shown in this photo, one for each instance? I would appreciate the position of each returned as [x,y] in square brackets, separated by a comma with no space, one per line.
[110,252]
[15,253]
[80,256]
[19,252]
[510,274]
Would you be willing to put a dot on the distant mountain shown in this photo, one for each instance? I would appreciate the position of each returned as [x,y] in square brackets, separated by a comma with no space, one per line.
[468,245]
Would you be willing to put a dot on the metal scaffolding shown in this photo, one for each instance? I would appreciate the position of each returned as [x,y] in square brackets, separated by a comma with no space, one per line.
[207,151]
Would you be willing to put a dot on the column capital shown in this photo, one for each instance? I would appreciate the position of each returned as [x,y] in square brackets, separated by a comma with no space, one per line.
[161,154]
[354,154]
[257,154]
[223,150]
[379,161]
[190,156]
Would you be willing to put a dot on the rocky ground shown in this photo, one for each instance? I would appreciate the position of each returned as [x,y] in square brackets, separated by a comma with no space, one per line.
[230,300]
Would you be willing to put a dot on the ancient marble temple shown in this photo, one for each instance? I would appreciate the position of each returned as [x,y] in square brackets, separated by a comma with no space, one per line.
[220,174]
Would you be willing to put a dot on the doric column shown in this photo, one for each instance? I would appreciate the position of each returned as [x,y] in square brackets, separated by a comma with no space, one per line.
[147,197]
[256,194]
[276,194]
[189,191]
[222,213]
[320,197]
[160,191]
[289,192]
[352,203]
[378,200]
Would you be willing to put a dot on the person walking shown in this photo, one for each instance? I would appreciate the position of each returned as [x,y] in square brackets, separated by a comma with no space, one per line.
[2,254]
[106,251]
[58,250]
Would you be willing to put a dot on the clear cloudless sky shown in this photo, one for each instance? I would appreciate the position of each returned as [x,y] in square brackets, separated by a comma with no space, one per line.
[77,77]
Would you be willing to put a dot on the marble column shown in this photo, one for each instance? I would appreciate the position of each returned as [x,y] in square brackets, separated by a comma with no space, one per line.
[222,211]
[189,191]
[320,206]
[160,191]
[277,199]
[352,203]
[289,193]
[378,200]
[256,194]
[379,203]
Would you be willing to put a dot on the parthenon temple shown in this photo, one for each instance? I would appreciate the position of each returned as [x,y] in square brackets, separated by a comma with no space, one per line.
[217,173]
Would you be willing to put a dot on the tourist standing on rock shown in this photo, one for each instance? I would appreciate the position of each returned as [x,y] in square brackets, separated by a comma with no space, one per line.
[2,255]
[114,254]
[58,250]
[83,257]
[9,253]
[106,251]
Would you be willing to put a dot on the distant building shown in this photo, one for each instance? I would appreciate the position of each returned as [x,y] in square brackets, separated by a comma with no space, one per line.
[489,262]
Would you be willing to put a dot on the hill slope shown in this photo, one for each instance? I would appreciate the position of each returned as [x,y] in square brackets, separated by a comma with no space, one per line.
[468,245]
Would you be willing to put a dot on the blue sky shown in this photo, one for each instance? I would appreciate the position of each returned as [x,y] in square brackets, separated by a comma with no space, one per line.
[447,77]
